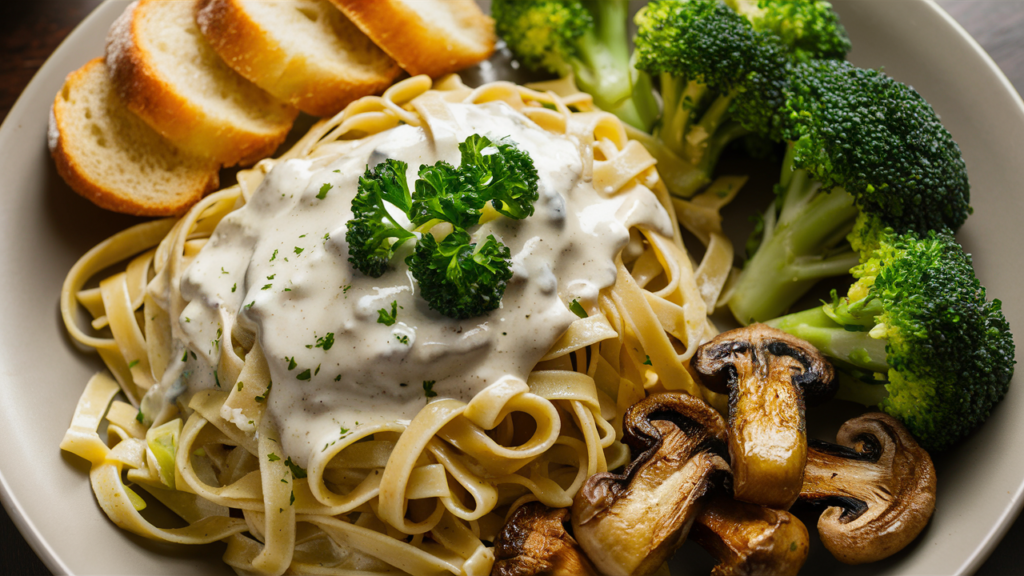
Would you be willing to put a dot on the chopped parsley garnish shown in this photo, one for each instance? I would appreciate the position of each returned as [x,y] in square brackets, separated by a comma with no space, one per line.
[577,308]
[324,190]
[266,287]
[273,457]
[249,305]
[184,357]
[133,364]
[234,287]
[273,256]
[271,277]
[223,271]
[240,385]
[305,374]
[337,378]
[428,388]
[402,338]
[647,362]
[216,379]
[325,342]
[344,430]
[291,363]
[140,417]
[297,471]
[388,319]
[265,394]
[298,250]
[317,371]
[327,236]
[292,501]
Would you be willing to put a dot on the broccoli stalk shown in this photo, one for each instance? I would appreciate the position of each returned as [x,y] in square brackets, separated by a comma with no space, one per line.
[587,38]
[867,154]
[458,278]
[916,336]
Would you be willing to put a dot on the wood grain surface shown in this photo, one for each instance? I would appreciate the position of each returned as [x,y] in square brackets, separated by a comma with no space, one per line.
[30,30]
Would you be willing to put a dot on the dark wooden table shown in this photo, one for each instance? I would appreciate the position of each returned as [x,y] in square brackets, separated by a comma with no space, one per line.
[31,30]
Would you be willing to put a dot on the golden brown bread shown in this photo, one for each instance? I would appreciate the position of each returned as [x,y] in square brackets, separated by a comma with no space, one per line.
[432,37]
[303,52]
[169,75]
[113,158]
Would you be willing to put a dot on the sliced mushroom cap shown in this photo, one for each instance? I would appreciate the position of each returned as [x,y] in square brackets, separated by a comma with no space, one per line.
[630,524]
[750,540]
[534,541]
[879,484]
[769,375]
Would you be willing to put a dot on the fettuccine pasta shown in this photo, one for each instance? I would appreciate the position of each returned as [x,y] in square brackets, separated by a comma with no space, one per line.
[422,496]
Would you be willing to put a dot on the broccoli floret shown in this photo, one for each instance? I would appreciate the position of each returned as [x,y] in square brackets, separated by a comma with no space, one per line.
[867,154]
[810,28]
[372,228]
[459,279]
[720,80]
[916,336]
[503,173]
[587,38]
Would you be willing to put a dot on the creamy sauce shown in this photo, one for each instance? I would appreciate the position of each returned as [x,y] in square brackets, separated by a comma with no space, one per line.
[278,267]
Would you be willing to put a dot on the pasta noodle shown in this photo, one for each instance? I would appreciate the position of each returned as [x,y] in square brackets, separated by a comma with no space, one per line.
[422,497]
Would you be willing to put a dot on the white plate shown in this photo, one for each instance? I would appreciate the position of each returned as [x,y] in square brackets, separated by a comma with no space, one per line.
[44,228]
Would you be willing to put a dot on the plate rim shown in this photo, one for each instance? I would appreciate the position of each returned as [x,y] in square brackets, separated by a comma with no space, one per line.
[55,564]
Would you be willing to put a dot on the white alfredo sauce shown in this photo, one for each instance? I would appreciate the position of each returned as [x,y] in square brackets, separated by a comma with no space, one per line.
[279,267]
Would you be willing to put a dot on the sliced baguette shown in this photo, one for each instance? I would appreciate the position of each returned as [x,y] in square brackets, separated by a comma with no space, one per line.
[168,74]
[113,158]
[432,37]
[303,52]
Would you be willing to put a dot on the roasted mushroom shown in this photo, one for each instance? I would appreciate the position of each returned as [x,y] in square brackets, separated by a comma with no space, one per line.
[534,541]
[748,539]
[629,524]
[769,375]
[879,486]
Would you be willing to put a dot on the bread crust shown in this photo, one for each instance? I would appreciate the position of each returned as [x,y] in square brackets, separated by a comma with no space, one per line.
[418,47]
[82,181]
[161,105]
[248,48]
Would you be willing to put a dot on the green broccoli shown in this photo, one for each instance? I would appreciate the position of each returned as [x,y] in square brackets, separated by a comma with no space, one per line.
[810,28]
[587,38]
[720,80]
[457,277]
[917,337]
[372,228]
[866,154]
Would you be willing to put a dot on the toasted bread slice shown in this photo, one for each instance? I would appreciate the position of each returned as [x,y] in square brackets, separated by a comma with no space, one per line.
[113,158]
[432,37]
[170,76]
[303,52]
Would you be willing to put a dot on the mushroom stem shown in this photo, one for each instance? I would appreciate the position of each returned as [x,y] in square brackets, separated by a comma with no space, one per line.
[534,541]
[879,486]
[630,524]
[767,434]
[768,375]
[750,540]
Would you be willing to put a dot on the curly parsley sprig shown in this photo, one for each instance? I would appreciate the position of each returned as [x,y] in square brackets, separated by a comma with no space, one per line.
[457,277]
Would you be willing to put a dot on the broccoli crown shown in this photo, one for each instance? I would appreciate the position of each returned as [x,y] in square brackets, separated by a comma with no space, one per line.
[705,41]
[459,279]
[502,172]
[542,33]
[810,28]
[697,39]
[371,228]
[949,350]
[881,141]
